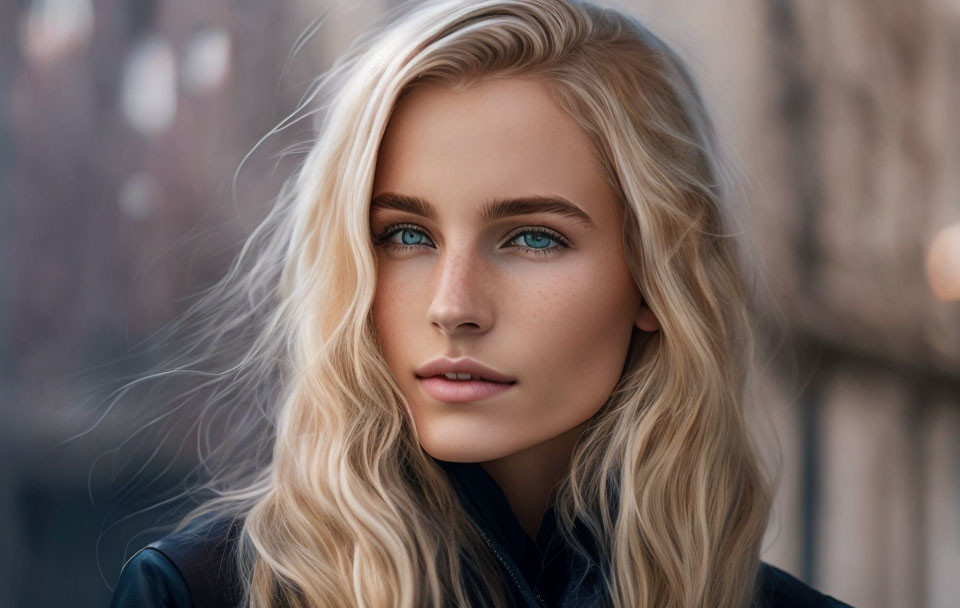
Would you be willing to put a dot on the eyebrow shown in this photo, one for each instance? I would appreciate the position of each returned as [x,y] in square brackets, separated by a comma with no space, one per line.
[493,210]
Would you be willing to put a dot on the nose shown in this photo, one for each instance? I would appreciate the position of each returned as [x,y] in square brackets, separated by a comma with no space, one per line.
[460,303]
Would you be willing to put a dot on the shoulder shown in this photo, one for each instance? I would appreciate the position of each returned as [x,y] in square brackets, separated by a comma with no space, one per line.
[199,559]
[150,580]
[780,589]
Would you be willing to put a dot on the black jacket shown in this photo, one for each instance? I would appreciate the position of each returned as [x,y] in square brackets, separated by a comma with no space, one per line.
[195,566]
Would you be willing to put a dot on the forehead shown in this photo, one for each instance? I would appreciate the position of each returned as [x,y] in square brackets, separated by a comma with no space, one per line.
[498,138]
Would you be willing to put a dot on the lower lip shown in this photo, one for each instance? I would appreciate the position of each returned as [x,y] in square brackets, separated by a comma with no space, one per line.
[462,391]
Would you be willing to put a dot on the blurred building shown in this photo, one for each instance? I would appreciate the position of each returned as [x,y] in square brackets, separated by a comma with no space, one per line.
[122,125]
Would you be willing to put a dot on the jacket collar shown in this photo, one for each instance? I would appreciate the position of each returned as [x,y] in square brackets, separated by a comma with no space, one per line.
[546,572]
[542,571]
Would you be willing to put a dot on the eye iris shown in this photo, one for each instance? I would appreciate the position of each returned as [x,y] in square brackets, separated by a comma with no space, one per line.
[536,240]
[412,234]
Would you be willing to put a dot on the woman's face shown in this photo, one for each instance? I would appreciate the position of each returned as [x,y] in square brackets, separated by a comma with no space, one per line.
[536,289]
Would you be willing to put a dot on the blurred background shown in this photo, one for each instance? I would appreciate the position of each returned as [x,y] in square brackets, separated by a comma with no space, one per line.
[122,124]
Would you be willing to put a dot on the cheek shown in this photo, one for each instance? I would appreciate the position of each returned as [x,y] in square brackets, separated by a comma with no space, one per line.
[399,317]
[389,310]
[577,331]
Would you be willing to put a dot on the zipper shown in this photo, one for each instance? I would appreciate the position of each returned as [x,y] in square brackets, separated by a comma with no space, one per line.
[520,586]
[525,590]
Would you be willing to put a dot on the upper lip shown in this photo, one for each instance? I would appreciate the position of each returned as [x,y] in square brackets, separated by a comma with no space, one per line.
[444,365]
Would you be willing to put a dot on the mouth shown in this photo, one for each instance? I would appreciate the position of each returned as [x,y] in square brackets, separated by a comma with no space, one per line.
[462,388]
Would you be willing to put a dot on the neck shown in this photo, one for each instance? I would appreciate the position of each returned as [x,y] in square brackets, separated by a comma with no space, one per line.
[528,478]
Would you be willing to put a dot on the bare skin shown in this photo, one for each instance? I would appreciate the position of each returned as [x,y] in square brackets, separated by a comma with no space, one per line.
[552,308]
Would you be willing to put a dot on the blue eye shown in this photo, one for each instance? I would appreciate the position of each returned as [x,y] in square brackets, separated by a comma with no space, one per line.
[535,240]
[410,237]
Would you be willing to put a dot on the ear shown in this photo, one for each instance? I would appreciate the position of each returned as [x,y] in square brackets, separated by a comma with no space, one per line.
[646,320]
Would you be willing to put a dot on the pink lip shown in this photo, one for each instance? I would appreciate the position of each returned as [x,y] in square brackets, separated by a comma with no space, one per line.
[461,391]
[445,365]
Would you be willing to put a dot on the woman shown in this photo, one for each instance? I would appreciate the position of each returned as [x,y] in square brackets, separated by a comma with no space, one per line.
[506,333]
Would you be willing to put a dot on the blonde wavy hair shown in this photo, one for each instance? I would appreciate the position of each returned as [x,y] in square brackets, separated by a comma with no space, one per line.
[316,451]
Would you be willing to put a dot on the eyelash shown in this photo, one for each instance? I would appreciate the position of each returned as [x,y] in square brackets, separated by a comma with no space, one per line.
[389,231]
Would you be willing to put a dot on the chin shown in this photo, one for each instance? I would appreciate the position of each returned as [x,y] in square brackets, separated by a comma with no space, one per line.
[461,451]
[464,436]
